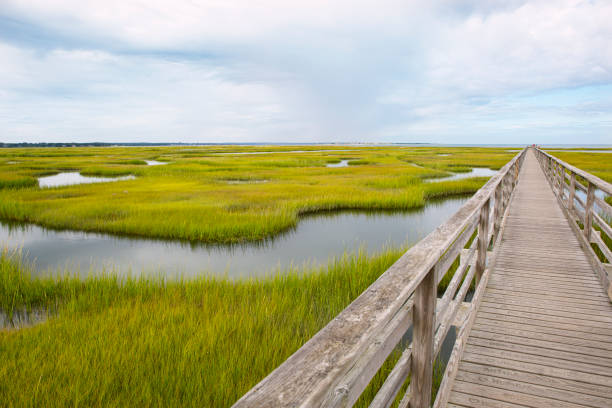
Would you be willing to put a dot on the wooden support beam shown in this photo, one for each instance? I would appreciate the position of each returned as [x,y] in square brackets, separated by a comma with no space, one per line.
[423,342]
[483,240]
[499,209]
[572,191]
[588,212]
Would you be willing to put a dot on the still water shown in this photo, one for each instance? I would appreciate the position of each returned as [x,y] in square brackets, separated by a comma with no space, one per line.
[475,172]
[315,240]
[68,179]
[341,163]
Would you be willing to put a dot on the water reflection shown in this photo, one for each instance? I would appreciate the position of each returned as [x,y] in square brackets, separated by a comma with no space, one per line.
[315,240]
[475,172]
[342,163]
[71,178]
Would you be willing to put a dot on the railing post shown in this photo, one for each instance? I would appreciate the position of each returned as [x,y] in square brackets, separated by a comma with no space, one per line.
[499,208]
[423,309]
[561,174]
[588,211]
[549,167]
[572,191]
[483,240]
[516,172]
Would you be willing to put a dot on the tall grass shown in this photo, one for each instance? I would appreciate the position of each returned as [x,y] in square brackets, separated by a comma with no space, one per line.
[143,342]
[190,199]
[147,341]
[8,181]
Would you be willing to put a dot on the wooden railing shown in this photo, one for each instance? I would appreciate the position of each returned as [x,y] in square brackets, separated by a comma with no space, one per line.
[335,366]
[583,197]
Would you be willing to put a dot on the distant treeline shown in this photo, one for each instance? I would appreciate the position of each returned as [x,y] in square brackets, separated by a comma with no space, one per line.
[95,144]
[103,144]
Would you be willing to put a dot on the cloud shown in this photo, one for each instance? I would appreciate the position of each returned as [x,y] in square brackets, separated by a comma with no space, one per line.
[93,95]
[303,71]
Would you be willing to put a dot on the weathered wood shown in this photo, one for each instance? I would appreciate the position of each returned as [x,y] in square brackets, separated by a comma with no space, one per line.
[572,191]
[543,332]
[350,386]
[394,381]
[560,182]
[559,384]
[483,241]
[535,367]
[576,351]
[422,341]
[521,332]
[537,309]
[545,328]
[596,239]
[518,395]
[599,183]
[452,366]
[449,294]
[603,206]
[335,365]
[593,363]
[588,212]
[581,187]
[497,212]
[447,319]
[453,251]
[603,225]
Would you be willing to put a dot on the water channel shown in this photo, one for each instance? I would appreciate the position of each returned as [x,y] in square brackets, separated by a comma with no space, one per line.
[475,172]
[315,240]
[71,178]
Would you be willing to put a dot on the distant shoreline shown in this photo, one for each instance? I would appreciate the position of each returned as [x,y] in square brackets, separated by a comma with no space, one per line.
[364,144]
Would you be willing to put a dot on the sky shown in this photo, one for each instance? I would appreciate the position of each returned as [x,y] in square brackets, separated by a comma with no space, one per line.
[306,71]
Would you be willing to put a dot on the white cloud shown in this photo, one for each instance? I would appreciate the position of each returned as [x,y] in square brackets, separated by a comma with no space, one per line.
[304,70]
[92,95]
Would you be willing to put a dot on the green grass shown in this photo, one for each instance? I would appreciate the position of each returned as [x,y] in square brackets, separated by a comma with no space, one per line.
[598,164]
[146,342]
[113,341]
[8,181]
[191,198]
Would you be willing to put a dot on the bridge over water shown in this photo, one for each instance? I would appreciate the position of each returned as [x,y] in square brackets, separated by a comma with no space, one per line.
[537,331]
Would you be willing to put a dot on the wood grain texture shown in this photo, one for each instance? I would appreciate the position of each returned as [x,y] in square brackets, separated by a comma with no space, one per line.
[422,342]
[542,336]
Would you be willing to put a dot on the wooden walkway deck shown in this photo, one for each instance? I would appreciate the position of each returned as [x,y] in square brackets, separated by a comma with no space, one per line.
[536,333]
[542,336]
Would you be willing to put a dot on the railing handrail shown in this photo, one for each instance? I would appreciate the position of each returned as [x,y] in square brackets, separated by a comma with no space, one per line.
[596,181]
[338,362]
[584,221]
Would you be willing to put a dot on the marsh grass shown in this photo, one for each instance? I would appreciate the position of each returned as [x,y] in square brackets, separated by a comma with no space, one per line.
[146,341]
[599,164]
[190,198]
[8,181]
[142,342]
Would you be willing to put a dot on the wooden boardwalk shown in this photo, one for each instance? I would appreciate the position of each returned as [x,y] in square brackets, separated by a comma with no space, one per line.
[537,331]
[542,336]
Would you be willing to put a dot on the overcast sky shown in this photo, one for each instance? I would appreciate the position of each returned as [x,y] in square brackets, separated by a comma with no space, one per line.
[480,71]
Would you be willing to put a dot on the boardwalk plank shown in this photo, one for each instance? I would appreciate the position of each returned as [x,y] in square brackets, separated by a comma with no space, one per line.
[543,334]
[499,394]
[527,387]
[545,380]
